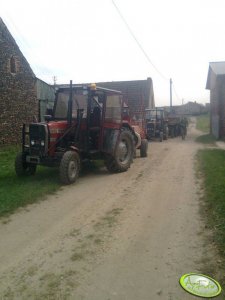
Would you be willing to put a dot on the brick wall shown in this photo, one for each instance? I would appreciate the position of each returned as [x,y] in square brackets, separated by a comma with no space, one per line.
[18,100]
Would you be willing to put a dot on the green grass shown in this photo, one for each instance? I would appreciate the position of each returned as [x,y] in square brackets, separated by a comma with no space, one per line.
[212,166]
[206,139]
[203,123]
[16,192]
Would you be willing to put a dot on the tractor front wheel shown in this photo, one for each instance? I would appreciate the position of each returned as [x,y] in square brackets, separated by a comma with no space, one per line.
[69,167]
[123,154]
[23,168]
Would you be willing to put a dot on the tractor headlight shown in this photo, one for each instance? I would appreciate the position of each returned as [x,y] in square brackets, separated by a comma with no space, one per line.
[32,142]
[42,143]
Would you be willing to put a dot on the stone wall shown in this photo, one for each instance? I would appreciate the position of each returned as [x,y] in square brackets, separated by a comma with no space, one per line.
[18,100]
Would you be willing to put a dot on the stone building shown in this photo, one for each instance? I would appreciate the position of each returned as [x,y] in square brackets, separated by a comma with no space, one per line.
[216,85]
[18,99]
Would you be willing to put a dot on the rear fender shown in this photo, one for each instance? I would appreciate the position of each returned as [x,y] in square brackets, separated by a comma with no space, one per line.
[74,149]
[137,140]
[110,138]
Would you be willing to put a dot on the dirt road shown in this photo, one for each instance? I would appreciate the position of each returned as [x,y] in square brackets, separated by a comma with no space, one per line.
[125,236]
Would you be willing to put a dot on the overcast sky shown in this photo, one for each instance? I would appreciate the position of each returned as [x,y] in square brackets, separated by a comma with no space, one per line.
[87,41]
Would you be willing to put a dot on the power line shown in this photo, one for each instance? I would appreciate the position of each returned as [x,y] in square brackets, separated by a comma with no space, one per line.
[137,42]
[35,59]
[19,36]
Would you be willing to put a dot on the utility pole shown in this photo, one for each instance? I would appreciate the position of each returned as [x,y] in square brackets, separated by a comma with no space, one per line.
[171,100]
[54,80]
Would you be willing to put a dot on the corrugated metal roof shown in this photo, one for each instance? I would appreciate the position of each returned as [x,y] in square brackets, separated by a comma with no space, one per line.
[215,69]
[218,67]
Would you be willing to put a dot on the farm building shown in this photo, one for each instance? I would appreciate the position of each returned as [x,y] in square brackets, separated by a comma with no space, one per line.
[45,97]
[18,101]
[23,97]
[189,108]
[192,108]
[138,94]
[216,85]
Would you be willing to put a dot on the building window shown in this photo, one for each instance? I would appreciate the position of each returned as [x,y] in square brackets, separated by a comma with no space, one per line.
[13,65]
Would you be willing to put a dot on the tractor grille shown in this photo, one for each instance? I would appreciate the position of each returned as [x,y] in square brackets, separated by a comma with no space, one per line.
[38,139]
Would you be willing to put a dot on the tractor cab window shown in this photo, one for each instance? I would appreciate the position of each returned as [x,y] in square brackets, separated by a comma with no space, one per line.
[113,111]
[151,114]
[61,106]
[96,112]
[79,101]
[154,114]
[96,103]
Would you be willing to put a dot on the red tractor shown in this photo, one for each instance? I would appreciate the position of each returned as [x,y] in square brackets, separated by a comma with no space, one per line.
[87,122]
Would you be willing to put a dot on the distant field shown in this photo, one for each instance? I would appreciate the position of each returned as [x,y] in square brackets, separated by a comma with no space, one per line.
[203,123]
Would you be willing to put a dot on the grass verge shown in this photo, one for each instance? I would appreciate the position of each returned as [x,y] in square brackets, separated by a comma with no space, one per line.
[206,139]
[212,167]
[16,192]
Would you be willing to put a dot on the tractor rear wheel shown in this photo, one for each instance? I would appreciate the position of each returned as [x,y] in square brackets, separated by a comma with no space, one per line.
[123,154]
[144,148]
[23,168]
[69,167]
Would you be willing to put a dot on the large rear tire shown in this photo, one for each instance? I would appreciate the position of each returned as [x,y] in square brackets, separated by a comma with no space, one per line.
[23,168]
[69,167]
[144,148]
[123,154]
